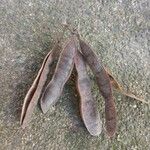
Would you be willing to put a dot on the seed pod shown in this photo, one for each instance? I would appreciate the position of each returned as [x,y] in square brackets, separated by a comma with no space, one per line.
[88,108]
[113,81]
[121,90]
[62,72]
[35,91]
[104,85]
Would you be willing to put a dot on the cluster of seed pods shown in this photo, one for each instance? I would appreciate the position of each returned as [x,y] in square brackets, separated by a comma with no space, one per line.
[77,54]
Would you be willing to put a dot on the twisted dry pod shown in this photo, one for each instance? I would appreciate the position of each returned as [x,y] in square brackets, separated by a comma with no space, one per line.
[36,89]
[88,108]
[121,90]
[104,85]
[62,73]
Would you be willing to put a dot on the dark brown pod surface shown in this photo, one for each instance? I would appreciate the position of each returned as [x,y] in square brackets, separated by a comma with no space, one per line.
[88,108]
[62,72]
[104,85]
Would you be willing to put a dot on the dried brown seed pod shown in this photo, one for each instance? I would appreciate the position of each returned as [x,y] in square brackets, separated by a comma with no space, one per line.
[104,85]
[62,73]
[120,88]
[34,93]
[88,107]
[35,90]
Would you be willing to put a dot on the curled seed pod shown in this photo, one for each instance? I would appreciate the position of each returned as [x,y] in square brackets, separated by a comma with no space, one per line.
[113,81]
[32,96]
[104,85]
[88,108]
[121,90]
[35,91]
[62,72]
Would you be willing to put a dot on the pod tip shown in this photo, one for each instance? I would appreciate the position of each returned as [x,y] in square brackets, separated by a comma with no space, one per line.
[111,133]
[23,124]
[95,131]
[44,107]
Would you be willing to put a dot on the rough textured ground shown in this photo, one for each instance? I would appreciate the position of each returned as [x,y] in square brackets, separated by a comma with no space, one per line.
[119,32]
